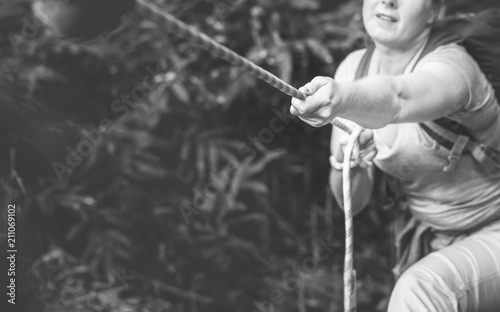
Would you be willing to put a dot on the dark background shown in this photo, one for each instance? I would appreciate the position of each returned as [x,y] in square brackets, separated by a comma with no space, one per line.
[189,202]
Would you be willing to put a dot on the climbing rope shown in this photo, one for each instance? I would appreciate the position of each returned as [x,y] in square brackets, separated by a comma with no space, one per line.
[349,272]
[189,33]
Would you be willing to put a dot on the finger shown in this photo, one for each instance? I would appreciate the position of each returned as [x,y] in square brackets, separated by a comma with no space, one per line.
[315,84]
[306,110]
[370,156]
[368,159]
[319,82]
[306,89]
[297,107]
[355,162]
[355,159]
[355,151]
[365,137]
[365,164]
[310,121]
[367,150]
[342,146]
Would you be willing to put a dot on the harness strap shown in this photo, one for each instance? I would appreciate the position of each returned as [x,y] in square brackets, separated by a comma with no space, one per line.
[456,152]
[364,64]
[460,144]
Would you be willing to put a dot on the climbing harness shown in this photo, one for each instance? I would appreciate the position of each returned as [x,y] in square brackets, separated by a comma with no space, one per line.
[189,33]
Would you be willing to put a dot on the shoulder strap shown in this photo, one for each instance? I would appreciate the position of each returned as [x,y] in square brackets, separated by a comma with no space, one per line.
[364,64]
[454,126]
[440,35]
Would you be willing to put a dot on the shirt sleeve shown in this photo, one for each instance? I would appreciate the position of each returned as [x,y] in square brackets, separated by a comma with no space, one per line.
[457,57]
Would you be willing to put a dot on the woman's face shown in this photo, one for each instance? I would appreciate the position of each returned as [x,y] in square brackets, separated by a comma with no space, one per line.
[396,23]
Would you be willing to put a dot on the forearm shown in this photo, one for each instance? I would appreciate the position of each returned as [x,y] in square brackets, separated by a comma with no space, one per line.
[433,91]
[372,102]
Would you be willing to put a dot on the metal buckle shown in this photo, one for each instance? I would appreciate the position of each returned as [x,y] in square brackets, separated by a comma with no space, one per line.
[452,161]
[456,152]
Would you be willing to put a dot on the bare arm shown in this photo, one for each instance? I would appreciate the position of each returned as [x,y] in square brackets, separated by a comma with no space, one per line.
[433,91]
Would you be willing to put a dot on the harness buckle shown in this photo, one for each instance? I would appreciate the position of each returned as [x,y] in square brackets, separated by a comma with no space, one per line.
[456,152]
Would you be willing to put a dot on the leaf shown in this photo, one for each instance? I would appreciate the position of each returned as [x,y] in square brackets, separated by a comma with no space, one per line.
[148,165]
[305,4]
[320,51]
[75,230]
[275,283]
[213,157]
[285,63]
[164,210]
[259,165]
[257,217]
[237,88]
[181,93]
[200,161]
[255,186]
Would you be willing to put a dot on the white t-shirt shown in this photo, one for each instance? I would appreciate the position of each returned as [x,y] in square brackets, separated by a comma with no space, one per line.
[463,198]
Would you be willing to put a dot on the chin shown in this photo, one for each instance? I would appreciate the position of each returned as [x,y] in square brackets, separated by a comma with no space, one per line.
[384,38]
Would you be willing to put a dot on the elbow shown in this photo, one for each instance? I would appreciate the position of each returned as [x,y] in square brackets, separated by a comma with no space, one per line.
[398,100]
[392,107]
[384,100]
[393,102]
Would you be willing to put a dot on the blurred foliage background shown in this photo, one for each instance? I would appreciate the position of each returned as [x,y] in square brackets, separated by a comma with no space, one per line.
[196,193]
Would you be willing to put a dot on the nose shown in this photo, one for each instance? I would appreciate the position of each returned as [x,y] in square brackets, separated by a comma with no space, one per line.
[393,4]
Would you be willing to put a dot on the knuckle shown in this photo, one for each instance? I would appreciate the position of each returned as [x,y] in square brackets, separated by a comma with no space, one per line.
[317,79]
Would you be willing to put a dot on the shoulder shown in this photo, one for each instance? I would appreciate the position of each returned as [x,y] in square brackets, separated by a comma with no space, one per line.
[456,57]
[452,54]
[347,68]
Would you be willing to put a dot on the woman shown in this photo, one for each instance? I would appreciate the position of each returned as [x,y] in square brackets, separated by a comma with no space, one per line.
[458,209]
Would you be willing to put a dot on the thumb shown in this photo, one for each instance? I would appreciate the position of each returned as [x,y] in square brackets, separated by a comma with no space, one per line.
[313,86]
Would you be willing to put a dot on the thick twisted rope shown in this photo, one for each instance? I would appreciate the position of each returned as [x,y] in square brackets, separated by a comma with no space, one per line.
[189,33]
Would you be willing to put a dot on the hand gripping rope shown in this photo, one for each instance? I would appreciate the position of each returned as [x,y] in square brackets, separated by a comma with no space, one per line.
[189,33]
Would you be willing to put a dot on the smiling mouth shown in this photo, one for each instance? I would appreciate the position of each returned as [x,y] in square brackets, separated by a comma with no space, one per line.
[386,18]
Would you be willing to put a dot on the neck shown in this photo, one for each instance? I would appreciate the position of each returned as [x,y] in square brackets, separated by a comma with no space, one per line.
[393,61]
